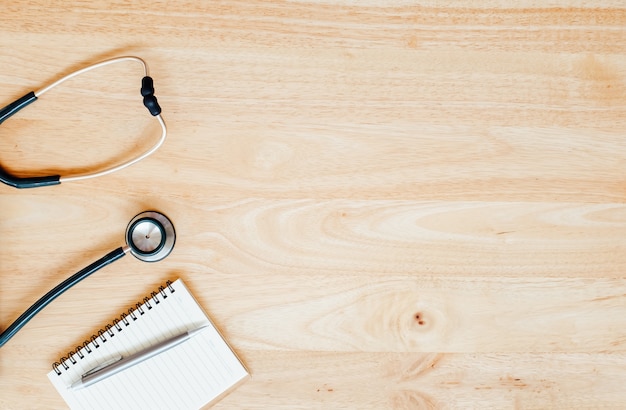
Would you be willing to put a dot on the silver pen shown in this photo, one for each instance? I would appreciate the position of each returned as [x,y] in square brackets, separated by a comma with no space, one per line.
[119,364]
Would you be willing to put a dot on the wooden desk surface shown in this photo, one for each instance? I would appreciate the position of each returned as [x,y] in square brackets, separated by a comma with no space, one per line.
[381,204]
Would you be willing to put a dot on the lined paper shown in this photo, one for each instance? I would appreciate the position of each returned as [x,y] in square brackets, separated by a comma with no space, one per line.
[188,376]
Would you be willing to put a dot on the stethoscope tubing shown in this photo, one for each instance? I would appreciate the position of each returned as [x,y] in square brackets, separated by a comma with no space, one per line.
[139,233]
[125,164]
[58,290]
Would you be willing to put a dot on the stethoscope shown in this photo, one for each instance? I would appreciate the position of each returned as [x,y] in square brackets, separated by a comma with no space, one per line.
[149,101]
[150,237]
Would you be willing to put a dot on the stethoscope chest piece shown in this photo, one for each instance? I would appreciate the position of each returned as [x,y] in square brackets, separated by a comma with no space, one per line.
[150,236]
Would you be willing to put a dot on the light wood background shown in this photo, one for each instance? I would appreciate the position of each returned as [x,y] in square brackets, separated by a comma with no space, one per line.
[382,204]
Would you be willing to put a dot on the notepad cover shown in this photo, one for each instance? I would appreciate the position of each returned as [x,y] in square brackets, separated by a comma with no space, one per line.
[191,375]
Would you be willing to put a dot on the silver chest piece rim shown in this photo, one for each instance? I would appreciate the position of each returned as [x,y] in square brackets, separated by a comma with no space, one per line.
[150,236]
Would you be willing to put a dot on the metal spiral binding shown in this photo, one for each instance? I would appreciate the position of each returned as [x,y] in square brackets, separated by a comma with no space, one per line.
[110,330]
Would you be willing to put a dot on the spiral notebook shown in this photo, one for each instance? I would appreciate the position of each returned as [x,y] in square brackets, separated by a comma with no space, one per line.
[193,374]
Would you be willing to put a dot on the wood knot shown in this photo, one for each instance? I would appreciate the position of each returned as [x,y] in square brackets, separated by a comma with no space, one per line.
[404,320]
[419,318]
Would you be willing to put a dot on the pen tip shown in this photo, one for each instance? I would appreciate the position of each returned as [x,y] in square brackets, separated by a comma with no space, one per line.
[197,330]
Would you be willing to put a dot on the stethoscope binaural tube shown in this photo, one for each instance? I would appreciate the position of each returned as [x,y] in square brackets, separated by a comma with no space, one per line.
[149,101]
[150,237]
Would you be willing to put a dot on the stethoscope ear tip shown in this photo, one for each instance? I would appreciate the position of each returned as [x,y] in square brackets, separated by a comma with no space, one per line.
[150,236]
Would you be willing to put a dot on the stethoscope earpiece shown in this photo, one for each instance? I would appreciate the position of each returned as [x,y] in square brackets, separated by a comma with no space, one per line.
[149,101]
[150,237]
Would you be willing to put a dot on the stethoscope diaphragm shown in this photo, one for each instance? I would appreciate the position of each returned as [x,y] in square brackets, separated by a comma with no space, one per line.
[150,236]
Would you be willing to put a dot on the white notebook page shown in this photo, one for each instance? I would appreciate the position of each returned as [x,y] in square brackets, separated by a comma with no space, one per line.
[187,376]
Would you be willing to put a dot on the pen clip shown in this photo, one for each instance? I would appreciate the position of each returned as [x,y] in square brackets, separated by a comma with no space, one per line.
[103,365]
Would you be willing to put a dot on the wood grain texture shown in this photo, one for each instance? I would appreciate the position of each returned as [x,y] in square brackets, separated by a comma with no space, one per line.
[382,204]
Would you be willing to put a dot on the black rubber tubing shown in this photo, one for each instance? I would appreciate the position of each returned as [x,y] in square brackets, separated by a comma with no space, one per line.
[17,105]
[5,177]
[57,291]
